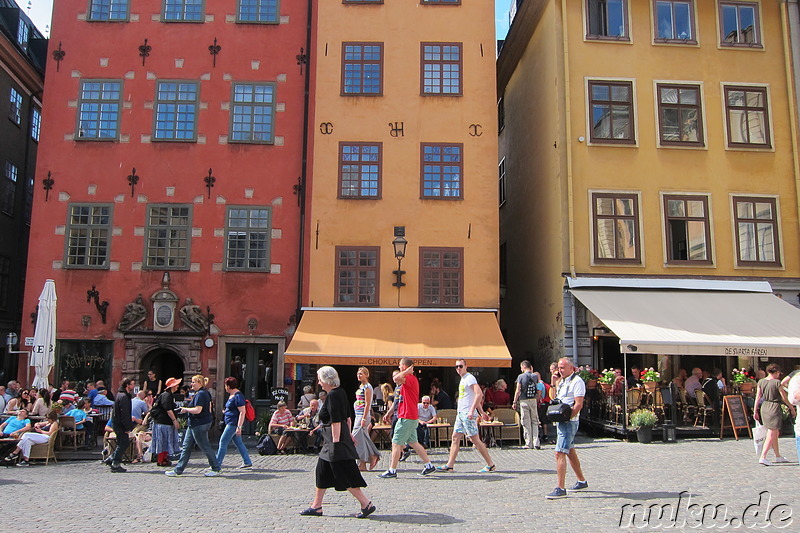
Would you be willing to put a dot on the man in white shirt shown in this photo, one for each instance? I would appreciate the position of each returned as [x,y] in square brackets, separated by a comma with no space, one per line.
[693,383]
[571,391]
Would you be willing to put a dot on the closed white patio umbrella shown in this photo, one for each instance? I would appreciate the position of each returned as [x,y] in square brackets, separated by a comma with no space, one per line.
[44,336]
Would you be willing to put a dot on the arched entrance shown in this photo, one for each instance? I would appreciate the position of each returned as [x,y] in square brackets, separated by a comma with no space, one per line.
[165,362]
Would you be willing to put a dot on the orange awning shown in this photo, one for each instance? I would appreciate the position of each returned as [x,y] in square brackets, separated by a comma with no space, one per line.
[381,338]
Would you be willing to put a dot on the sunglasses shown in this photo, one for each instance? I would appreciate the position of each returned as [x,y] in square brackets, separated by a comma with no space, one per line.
[425,403]
[459,366]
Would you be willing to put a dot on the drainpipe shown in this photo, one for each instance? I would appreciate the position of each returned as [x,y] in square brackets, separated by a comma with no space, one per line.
[786,18]
[568,147]
[304,170]
[574,330]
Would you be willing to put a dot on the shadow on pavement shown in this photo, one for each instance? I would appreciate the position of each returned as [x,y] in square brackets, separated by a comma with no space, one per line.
[629,495]
[420,518]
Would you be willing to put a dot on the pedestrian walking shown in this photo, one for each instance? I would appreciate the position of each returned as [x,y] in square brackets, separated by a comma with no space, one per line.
[407,420]
[122,422]
[233,417]
[571,391]
[199,424]
[336,466]
[469,407]
[367,451]
[165,424]
[526,397]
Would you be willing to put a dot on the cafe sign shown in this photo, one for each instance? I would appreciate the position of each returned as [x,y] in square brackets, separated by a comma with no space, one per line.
[746,351]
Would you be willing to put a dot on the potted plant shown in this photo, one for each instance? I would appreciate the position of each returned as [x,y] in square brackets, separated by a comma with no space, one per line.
[650,378]
[589,376]
[743,380]
[643,420]
[606,380]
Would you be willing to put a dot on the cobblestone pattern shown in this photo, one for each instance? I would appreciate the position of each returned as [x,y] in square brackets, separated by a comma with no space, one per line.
[270,495]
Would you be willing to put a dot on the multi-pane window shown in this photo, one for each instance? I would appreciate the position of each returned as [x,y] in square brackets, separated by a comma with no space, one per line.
[501,181]
[360,170]
[168,236]
[611,107]
[253,116]
[88,236]
[9,188]
[607,19]
[183,10]
[36,124]
[357,275]
[616,228]
[442,170]
[176,110]
[747,117]
[23,32]
[362,69]
[109,10]
[258,11]
[441,69]
[247,239]
[680,118]
[756,227]
[674,20]
[501,114]
[29,201]
[688,229]
[99,106]
[5,278]
[739,24]
[15,107]
[441,272]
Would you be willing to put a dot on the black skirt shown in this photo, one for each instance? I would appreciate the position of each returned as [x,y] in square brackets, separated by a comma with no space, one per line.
[340,475]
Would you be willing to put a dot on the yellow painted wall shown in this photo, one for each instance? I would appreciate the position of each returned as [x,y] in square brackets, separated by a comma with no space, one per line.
[470,223]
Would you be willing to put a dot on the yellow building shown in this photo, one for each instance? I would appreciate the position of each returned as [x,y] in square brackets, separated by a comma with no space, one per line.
[403,162]
[648,155]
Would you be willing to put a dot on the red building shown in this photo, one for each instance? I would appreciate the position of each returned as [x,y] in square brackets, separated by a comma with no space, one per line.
[173,132]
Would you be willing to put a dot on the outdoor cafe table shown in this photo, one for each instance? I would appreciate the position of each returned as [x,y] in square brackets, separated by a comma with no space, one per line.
[435,432]
[490,434]
[7,445]
[383,431]
[294,433]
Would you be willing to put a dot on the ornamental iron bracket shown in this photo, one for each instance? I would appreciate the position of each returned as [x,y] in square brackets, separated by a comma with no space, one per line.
[209,180]
[58,56]
[396,129]
[144,51]
[133,179]
[302,59]
[48,184]
[35,315]
[214,50]
[102,308]
[210,317]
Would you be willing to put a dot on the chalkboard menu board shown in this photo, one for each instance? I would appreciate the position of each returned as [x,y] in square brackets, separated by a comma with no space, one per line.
[733,407]
[82,361]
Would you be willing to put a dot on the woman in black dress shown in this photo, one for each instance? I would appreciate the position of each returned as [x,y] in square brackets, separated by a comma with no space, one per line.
[336,467]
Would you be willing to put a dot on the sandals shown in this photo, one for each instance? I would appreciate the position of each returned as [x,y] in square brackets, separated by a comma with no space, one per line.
[374,463]
[311,511]
[137,460]
[366,511]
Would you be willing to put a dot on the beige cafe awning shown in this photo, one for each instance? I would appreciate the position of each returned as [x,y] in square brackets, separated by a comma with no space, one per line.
[381,338]
[697,322]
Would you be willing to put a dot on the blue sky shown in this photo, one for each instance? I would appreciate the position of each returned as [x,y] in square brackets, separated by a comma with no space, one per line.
[40,10]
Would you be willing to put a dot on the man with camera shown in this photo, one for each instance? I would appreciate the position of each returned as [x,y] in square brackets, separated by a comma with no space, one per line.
[571,391]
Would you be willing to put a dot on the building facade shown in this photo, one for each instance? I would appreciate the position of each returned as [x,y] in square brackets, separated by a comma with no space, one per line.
[171,225]
[647,146]
[23,52]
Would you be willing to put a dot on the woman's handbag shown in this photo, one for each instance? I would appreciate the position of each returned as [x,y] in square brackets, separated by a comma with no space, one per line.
[558,411]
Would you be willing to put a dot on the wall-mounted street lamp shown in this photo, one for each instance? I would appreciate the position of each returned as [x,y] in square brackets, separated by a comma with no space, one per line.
[399,243]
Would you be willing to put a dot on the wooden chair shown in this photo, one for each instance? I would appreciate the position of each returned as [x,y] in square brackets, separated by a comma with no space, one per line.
[445,434]
[703,407]
[45,451]
[634,398]
[511,429]
[69,433]
[110,444]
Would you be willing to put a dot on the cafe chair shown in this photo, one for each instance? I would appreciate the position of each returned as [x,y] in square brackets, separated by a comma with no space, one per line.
[446,434]
[511,429]
[46,451]
[68,433]
[703,408]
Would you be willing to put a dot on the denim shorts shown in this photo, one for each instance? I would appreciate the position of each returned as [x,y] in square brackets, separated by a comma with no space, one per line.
[465,425]
[566,435]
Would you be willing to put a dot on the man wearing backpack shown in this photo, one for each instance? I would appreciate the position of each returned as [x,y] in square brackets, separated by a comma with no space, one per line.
[527,398]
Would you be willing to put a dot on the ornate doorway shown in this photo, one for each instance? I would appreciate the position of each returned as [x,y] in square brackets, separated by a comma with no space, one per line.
[164,362]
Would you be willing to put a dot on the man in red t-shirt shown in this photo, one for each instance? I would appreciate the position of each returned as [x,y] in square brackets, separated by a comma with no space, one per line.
[405,431]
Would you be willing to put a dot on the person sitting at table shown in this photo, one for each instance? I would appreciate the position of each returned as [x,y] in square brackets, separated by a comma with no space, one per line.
[23,401]
[308,395]
[101,400]
[439,398]
[14,427]
[635,378]
[501,397]
[42,404]
[82,420]
[693,384]
[41,434]
[427,415]
[281,419]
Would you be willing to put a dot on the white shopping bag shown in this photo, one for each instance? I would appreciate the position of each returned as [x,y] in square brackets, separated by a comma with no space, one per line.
[759,436]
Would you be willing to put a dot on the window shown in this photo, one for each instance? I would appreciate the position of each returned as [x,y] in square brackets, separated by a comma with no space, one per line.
[360,167]
[674,21]
[98,109]
[15,107]
[607,19]
[168,234]
[680,119]
[501,170]
[688,229]
[248,239]
[441,271]
[362,69]
[747,117]
[109,10]
[5,278]
[441,69]
[253,114]
[9,188]
[442,166]
[36,124]
[616,228]
[254,11]
[23,32]
[357,275]
[88,236]
[756,221]
[176,110]
[183,11]
[738,22]
[29,201]
[611,104]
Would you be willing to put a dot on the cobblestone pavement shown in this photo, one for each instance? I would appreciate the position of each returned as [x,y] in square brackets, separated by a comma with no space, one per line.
[269,496]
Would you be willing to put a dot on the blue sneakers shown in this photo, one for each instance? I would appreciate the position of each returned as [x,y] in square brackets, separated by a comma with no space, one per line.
[557,493]
[580,485]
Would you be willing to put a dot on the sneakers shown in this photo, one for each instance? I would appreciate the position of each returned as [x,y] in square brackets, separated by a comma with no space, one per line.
[23,463]
[172,473]
[765,462]
[388,475]
[428,470]
[487,468]
[117,469]
[580,485]
[557,493]
[245,465]
[406,454]
[212,473]
[781,460]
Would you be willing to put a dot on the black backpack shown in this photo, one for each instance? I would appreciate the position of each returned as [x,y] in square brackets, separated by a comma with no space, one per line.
[266,446]
[530,388]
